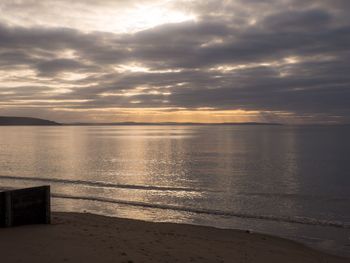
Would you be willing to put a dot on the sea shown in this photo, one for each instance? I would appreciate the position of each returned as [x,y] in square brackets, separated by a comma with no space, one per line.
[284,180]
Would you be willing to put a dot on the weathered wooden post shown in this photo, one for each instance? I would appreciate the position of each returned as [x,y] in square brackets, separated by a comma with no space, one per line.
[25,206]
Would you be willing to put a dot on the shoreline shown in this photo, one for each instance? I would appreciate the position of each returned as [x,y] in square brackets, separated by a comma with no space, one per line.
[74,237]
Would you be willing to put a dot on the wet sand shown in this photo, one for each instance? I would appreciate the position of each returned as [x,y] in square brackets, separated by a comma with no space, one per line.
[86,238]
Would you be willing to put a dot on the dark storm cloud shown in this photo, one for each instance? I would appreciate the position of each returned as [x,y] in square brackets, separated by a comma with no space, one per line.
[254,55]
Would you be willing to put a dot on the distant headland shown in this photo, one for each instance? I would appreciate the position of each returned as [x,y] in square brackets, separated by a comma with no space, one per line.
[25,121]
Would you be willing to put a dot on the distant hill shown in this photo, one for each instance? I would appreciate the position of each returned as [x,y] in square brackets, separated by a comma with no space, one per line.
[25,121]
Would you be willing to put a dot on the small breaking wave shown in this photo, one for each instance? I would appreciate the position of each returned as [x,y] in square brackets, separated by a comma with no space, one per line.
[102,184]
[283,219]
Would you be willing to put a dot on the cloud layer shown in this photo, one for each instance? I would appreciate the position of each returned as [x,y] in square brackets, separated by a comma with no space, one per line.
[268,60]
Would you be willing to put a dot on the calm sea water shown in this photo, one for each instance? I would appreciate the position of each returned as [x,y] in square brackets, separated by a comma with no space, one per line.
[287,180]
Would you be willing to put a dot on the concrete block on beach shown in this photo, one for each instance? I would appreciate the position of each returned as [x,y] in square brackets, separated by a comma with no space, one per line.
[25,206]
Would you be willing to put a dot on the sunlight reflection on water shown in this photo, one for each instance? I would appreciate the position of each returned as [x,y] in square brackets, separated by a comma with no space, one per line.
[282,172]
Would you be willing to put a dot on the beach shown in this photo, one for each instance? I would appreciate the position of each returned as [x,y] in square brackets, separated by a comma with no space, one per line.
[77,237]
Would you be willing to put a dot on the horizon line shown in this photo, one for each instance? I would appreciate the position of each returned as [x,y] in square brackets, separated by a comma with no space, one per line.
[167,123]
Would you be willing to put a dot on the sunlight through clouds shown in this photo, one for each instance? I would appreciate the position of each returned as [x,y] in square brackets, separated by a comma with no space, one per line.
[179,60]
[105,16]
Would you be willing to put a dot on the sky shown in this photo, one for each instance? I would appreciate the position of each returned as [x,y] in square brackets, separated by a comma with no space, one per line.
[284,61]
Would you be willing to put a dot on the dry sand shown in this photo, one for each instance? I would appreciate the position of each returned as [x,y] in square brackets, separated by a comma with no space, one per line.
[85,238]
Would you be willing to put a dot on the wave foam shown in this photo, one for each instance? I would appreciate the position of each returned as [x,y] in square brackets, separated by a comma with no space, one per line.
[103,184]
[285,219]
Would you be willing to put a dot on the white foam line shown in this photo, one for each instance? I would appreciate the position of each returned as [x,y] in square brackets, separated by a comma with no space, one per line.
[102,184]
[286,219]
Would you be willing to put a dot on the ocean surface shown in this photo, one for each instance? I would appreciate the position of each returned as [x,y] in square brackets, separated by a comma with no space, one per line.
[290,181]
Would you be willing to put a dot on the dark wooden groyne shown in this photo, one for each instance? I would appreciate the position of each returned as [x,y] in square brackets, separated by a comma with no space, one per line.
[25,206]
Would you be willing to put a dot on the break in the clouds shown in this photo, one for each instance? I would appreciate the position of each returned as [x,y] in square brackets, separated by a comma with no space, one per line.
[207,61]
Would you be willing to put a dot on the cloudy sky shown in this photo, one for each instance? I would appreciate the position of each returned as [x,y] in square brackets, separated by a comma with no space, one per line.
[158,60]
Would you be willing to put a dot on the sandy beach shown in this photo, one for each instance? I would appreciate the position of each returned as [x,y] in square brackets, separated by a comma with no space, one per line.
[74,237]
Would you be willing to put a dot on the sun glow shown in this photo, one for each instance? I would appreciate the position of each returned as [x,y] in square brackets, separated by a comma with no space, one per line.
[148,16]
[167,114]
